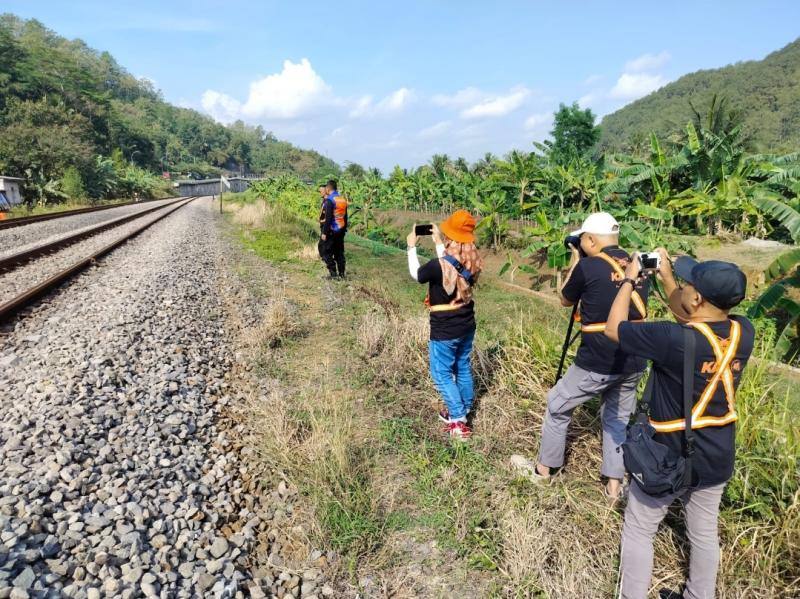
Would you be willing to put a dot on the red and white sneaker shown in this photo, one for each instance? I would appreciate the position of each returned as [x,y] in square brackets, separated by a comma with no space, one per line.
[444,416]
[459,430]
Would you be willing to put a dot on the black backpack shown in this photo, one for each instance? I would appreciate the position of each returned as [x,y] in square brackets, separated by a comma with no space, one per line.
[656,468]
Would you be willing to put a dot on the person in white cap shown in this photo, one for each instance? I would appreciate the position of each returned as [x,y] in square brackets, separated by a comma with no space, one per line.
[601,369]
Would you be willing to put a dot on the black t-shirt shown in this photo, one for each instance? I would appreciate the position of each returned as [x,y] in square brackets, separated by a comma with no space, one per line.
[595,284]
[662,342]
[450,324]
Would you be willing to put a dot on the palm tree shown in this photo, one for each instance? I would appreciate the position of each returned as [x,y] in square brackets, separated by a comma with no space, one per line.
[440,164]
[485,166]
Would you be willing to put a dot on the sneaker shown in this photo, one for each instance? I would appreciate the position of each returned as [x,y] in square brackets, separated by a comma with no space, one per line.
[459,430]
[444,415]
[528,469]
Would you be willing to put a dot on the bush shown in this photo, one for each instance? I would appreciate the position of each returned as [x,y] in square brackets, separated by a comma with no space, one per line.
[72,184]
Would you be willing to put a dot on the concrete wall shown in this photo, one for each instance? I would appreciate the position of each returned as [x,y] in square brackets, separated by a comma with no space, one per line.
[208,187]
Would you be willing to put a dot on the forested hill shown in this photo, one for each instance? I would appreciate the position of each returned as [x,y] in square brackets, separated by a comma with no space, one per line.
[766,93]
[66,108]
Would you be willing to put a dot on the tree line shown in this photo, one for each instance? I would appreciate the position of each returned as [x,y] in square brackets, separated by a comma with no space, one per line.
[705,179]
[76,125]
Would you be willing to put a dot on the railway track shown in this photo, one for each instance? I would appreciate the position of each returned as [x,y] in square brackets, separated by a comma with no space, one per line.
[26,294]
[27,220]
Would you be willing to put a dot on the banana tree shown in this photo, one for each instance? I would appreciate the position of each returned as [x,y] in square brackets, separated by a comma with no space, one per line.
[777,301]
[519,173]
[783,275]
[651,178]
[493,209]
[547,245]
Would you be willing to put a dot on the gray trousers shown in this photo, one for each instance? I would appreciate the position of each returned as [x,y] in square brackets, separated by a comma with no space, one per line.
[643,515]
[618,396]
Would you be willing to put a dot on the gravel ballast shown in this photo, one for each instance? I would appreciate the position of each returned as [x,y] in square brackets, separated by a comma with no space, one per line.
[29,274]
[118,476]
[18,239]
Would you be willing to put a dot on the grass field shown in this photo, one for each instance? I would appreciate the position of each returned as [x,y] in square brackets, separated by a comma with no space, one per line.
[350,419]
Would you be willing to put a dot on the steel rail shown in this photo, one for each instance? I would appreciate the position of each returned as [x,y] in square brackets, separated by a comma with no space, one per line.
[29,296]
[38,218]
[13,260]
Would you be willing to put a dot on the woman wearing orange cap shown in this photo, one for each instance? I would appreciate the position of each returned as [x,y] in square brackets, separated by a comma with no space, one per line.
[451,277]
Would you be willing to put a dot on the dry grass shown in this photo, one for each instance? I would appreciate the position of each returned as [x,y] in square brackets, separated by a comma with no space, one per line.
[308,253]
[329,438]
[253,215]
[278,323]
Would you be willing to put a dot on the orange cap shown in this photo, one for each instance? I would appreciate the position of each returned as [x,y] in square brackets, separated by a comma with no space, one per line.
[460,227]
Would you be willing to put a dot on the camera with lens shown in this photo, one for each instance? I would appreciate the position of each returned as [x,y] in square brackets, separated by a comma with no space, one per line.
[573,241]
[650,261]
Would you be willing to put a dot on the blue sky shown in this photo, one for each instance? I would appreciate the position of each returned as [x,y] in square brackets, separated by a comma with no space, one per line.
[384,83]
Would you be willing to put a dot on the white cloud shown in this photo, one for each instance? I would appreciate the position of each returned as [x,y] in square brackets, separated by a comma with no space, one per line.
[647,62]
[435,130]
[498,105]
[294,92]
[220,106]
[535,120]
[635,85]
[462,98]
[591,79]
[395,102]
[361,106]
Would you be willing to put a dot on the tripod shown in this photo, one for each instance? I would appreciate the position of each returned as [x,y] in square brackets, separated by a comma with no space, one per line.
[568,340]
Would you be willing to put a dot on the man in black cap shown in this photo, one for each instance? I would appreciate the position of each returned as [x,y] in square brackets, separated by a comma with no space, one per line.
[723,346]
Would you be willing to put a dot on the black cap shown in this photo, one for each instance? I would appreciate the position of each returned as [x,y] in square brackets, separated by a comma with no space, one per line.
[721,283]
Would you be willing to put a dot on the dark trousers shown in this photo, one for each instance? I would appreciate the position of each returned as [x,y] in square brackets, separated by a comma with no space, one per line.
[331,250]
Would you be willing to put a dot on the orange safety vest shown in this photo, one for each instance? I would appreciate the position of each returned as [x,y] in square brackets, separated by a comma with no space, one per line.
[641,307]
[339,213]
[722,373]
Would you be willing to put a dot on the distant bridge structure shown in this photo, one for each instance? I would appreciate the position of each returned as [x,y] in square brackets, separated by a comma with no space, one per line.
[210,187]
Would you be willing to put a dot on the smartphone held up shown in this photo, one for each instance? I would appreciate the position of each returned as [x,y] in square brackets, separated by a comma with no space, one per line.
[423,229]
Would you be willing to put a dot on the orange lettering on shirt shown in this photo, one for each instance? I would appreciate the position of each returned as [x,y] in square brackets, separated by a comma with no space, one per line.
[708,368]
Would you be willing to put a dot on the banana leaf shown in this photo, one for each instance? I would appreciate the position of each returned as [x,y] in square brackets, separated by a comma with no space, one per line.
[783,265]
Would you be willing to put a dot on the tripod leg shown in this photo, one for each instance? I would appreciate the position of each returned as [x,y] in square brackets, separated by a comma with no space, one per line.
[567,342]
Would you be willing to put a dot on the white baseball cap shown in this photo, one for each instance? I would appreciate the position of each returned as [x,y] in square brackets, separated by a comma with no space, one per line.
[599,223]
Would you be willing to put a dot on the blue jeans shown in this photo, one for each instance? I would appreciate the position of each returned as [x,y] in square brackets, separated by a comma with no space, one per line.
[452,375]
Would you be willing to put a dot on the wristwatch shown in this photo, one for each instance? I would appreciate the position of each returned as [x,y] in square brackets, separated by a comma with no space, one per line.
[628,280]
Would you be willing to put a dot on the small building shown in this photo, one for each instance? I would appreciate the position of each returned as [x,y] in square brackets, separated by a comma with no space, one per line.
[9,191]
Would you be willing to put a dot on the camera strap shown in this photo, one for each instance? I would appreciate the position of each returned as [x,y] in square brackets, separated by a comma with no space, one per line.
[688,400]
[460,269]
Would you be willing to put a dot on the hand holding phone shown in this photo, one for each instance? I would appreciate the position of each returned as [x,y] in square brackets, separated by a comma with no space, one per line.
[423,229]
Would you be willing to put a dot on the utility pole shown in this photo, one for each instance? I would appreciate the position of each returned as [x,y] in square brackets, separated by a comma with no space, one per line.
[220,194]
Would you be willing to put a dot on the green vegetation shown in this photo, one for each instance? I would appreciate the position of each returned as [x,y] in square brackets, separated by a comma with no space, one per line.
[765,92]
[358,435]
[77,126]
[707,182]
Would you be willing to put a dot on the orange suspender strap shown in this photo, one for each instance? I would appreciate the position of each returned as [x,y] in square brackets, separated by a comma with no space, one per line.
[445,307]
[723,373]
[600,327]
[635,297]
